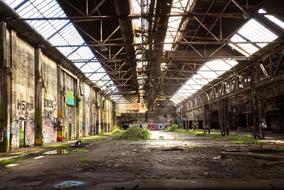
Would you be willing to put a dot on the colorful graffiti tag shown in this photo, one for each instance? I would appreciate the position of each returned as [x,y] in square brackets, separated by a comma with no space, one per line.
[29,133]
[49,121]
[49,131]
[70,99]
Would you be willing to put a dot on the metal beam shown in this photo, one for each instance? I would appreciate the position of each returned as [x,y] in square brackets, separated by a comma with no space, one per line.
[97,7]
[131,16]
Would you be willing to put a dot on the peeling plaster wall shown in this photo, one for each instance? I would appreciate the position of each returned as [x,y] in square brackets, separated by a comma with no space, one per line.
[81,109]
[93,112]
[108,115]
[23,94]
[49,99]
[85,117]
[99,113]
[86,127]
[69,110]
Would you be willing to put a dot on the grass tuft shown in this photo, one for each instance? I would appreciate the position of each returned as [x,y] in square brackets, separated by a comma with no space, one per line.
[134,133]
[172,128]
[235,138]
[12,160]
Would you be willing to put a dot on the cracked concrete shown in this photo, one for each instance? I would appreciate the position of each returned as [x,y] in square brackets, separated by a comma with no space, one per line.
[175,161]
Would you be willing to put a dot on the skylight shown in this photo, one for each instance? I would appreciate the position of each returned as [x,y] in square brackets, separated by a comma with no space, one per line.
[175,22]
[208,72]
[275,20]
[251,37]
[272,18]
[140,24]
[62,33]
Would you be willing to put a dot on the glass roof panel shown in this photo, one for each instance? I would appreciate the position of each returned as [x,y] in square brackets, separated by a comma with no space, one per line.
[82,52]
[205,74]
[199,79]
[239,49]
[66,50]
[209,75]
[97,76]
[275,20]
[255,34]
[14,3]
[231,62]
[79,65]
[87,68]
[174,23]
[218,65]
[95,66]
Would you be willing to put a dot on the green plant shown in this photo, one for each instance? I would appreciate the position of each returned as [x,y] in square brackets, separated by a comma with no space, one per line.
[116,131]
[173,128]
[216,135]
[134,133]
[12,160]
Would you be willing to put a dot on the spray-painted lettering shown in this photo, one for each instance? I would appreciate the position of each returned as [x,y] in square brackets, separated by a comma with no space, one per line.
[25,109]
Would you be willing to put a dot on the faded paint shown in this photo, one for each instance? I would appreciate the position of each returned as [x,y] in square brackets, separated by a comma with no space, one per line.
[87,102]
[49,93]
[69,111]
[64,122]
[22,90]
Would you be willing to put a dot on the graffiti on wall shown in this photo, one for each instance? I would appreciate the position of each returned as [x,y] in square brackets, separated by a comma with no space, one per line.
[49,108]
[49,131]
[24,109]
[70,98]
[29,133]
[15,140]
[49,121]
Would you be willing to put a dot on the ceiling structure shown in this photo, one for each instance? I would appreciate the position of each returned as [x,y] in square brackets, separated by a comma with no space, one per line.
[155,50]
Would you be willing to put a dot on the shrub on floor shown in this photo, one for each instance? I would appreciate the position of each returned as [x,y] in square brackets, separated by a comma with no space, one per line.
[172,128]
[134,133]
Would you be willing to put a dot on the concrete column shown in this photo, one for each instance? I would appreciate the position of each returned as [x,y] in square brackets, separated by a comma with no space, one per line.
[77,108]
[5,92]
[38,99]
[91,110]
[99,129]
[84,109]
[60,110]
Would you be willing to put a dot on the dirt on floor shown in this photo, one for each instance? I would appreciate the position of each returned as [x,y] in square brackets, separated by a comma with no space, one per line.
[167,161]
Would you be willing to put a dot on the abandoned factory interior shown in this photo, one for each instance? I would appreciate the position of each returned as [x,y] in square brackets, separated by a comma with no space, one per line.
[141,94]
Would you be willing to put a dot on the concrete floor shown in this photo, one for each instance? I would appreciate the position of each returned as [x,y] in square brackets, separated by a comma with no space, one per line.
[167,161]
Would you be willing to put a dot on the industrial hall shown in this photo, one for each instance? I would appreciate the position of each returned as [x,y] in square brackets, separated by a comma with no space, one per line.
[141,94]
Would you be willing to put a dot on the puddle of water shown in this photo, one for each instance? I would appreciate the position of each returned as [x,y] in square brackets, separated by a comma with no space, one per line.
[65,151]
[11,165]
[38,157]
[57,152]
[68,184]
